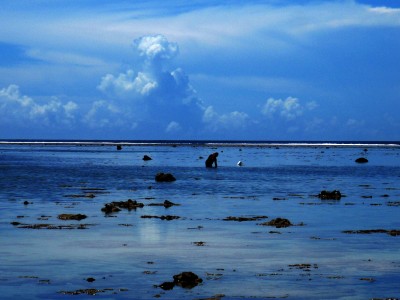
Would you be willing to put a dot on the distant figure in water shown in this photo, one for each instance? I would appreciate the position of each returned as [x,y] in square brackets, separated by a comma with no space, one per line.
[212,159]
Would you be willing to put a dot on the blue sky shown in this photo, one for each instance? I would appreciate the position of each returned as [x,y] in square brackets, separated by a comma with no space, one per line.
[255,70]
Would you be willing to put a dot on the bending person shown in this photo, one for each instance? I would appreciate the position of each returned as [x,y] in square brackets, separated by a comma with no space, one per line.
[212,159]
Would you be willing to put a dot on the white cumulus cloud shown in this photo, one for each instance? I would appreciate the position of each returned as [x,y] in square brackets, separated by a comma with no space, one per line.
[18,108]
[232,120]
[289,109]
[129,84]
[154,93]
[173,127]
[158,95]
[156,48]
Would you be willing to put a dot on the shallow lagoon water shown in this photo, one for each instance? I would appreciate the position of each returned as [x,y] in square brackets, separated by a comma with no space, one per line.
[129,255]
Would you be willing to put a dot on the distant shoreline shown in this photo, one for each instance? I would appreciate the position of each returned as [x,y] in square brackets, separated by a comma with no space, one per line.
[209,143]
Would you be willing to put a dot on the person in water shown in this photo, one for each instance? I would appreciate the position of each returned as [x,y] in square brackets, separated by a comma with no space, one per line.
[212,159]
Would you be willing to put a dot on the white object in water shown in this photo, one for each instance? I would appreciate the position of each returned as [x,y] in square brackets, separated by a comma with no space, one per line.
[240,163]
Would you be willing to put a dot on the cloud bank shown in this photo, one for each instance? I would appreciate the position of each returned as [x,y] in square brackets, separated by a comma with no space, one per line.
[157,96]
[152,96]
[17,109]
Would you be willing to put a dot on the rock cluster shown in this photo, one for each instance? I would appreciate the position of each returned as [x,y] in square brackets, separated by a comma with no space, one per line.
[77,217]
[392,232]
[243,219]
[187,280]
[278,223]
[117,205]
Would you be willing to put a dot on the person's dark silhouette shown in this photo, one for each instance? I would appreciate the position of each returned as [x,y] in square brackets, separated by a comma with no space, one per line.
[212,159]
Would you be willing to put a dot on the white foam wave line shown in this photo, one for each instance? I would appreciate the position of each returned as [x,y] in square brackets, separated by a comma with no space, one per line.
[194,143]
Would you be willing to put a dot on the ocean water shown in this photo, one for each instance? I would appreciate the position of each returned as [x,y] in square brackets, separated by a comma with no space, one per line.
[129,257]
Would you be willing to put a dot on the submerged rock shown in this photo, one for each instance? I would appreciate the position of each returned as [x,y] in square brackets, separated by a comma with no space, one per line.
[326,195]
[51,226]
[110,208]
[77,217]
[164,177]
[242,219]
[86,195]
[392,232]
[303,266]
[278,223]
[90,292]
[117,205]
[167,217]
[166,204]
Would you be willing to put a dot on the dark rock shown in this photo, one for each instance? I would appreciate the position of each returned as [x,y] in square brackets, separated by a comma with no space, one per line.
[90,292]
[187,280]
[166,204]
[164,177]
[326,195]
[200,244]
[242,219]
[77,217]
[110,208]
[169,218]
[86,195]
[91,192]
[90,279]
[167,285]
[129,204]
[393,232]
[146,157]
[303,266]
[26,203]
[119,147]
[117,205]
[50,226]
[369,279]
[361,160]
[278,223]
